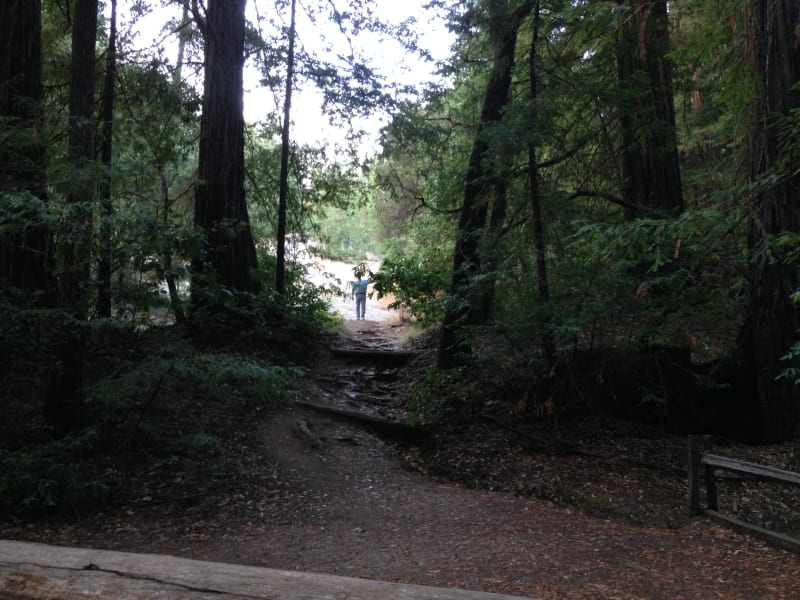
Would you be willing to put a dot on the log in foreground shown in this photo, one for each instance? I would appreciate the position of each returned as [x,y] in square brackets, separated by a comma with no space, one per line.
[29,571]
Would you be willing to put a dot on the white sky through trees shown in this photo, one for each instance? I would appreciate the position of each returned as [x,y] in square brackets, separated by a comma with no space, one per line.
[385,56]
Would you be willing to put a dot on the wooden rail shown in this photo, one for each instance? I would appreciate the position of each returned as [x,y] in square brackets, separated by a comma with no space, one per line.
[37,571]
[709,463]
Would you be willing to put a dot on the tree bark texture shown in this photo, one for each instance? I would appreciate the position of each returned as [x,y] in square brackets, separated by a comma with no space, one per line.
[25,253]
[650,165]
[220,206]
[75,247]
[773,324]
[64,403]
[454,345]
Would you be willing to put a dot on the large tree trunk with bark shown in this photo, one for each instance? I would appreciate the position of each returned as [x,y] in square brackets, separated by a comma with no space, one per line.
[64,404]
[220,207]
[24,253]
[651,170]
[773,324]
[454,345]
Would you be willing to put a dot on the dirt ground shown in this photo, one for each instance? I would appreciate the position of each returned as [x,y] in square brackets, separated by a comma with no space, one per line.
[311,491]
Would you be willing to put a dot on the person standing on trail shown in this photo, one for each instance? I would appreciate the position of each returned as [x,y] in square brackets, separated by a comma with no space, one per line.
[359,287]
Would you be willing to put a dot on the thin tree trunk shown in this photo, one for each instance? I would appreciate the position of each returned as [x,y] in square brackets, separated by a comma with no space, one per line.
[106,146]
[537,222]
[183,38]
[486,291]
[283,194]
[169,273]
[773,323]
[167,259]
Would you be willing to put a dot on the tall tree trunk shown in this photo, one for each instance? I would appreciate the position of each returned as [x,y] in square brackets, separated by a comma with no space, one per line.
[65,396]
[220,206]
[24,254]
[537,218]
[183,38]
[485,292]
[651,170]
[106,146]
[167,263]
[454,344]
[283,193]
[773,324]
[167,258]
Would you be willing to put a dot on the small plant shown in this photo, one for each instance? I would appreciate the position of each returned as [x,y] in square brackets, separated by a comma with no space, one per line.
[43,478]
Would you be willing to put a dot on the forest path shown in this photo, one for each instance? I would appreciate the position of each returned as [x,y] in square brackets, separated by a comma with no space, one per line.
[307,491]
[363,511]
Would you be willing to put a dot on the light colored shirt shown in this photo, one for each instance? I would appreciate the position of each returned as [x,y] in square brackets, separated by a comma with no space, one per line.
[360,286]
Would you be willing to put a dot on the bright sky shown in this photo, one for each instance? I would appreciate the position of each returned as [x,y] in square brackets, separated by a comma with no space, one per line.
[389,59]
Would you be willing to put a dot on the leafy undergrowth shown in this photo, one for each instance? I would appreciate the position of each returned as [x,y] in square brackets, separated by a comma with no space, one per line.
[611,469]
[178,446]
[601,465]
[165,415]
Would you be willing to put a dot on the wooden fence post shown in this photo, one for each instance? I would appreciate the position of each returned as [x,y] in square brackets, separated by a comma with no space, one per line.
[711,489]
[694,475]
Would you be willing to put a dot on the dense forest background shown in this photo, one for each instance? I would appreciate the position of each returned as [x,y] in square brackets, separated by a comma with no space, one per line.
[596,208]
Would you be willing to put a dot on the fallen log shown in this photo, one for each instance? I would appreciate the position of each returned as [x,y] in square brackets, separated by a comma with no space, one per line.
[371,355]
[380,424]
[29,571]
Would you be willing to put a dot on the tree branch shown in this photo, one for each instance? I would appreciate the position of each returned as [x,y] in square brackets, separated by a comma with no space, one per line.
[603,195]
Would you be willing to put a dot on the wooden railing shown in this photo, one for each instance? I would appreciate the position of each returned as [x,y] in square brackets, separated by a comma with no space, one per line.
[700,461]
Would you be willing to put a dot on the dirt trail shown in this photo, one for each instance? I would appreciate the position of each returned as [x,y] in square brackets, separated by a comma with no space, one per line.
[364,514]
[328,495]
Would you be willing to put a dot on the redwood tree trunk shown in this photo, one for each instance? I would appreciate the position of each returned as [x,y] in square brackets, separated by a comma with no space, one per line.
[220,207]
[651,170]
[24,254]
[773,323]
[64,405]
[454,345]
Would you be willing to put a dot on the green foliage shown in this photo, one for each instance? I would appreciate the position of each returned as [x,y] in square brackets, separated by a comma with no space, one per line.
[303,306]
[50,476]
[350,234]
[134,418]
[417,285]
